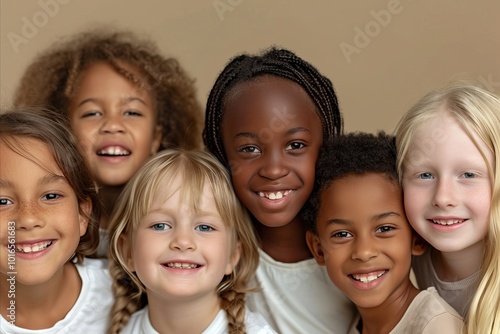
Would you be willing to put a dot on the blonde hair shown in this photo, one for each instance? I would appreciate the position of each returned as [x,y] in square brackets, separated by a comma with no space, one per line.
[478,112]
[196,168]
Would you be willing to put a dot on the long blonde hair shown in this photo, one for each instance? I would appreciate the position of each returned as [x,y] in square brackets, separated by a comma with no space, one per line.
[196,169]
[478,112]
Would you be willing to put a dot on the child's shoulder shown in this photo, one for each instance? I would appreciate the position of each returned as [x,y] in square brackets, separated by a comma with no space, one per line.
[429,313]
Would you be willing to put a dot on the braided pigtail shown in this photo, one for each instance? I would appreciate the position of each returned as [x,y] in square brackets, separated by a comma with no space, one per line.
[233,303]
[128,298]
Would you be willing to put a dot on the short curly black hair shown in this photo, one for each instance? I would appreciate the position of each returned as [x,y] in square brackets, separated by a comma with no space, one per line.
[350,154]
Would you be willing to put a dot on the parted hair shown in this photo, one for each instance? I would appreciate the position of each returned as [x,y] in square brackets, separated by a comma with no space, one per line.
[53,130]
[350,154]
[478,112]
[54,76]
[196,168]
[281,63]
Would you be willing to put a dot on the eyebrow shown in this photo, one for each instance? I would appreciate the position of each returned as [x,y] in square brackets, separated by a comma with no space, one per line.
[48,179]
[289,132]
[374,218]
[122,101]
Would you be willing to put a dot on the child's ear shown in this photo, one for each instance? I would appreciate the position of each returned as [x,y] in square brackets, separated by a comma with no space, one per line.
[315,247]
[84,214]
[157,137]
[419,245]
[125,245]
[235,258]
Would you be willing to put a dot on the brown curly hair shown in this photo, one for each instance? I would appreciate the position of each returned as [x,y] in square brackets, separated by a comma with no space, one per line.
[52,79]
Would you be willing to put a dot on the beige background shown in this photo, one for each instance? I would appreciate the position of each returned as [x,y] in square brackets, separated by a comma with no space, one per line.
[414,46]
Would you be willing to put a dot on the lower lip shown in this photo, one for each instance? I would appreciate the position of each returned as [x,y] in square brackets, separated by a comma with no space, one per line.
[445,228]
[275,203]
[367,286]
[35,255]
[113,159]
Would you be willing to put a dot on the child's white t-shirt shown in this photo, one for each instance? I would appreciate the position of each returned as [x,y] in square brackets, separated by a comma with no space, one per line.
[91,312]
[139,324]
[299,298]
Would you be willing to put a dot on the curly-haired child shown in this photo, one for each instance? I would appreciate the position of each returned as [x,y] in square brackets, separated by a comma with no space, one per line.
[124,99]
[183,250]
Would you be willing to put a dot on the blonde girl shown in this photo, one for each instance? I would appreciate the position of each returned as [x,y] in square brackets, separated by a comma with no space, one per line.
[182,250]
[449,161]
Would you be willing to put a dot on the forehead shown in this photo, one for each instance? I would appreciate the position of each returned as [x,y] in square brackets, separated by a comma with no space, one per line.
[19,154]
[360,196]
[269,100]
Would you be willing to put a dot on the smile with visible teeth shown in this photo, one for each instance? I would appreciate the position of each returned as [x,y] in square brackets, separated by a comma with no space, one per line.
[275,195]
[113,151]
[367,278]
[178,265]
[446,222]
[32,248]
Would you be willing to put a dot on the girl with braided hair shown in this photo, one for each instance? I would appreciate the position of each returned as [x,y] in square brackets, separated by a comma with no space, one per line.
[183,250]
[266,119]
[124,99]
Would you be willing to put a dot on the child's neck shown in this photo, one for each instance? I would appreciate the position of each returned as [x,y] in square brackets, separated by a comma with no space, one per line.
[456,266]
[108,196]
[43,305]
[376,319]
[182,316]
[286,243]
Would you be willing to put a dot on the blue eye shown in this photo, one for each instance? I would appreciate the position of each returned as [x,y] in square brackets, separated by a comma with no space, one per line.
[204,228]
[469,175]
[425,176]
[160,227]
[4,201]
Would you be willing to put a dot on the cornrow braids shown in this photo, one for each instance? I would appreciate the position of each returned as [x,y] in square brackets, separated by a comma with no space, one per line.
[54,77]
[276,62]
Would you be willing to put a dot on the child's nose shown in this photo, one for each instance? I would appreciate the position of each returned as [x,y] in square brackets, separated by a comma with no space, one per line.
[274,166]
[28,216]
[112,124]
[364,250]
[182,239]
[445,194]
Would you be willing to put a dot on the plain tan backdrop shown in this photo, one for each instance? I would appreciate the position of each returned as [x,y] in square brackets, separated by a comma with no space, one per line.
[381,55]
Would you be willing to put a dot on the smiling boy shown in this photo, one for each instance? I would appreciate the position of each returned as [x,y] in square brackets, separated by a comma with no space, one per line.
[359,231]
